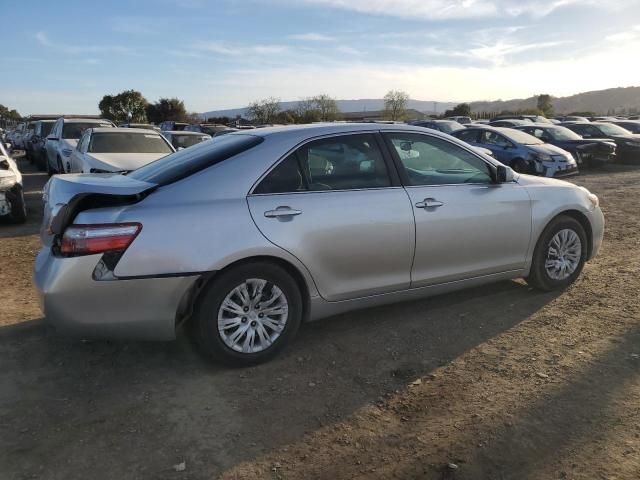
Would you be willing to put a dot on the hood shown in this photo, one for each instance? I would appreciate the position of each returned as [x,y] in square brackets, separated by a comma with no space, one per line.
[121,161]
[547,148]
[631,136]
[529,180]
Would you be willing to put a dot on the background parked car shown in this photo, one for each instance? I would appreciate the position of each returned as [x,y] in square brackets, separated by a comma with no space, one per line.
[64,137]
[632,125]
[585,151]
[529,118]
[12,204]
[185,139]
[120,150]
[146,126]
[572,118]
[460,119]
[208,128]
[509,122]
[628,144]
[26,139]
[521,151]
[38,153]
[15,137]
[445,126]
[171,126]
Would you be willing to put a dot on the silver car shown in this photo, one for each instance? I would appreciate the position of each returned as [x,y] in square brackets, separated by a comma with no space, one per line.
[246,236]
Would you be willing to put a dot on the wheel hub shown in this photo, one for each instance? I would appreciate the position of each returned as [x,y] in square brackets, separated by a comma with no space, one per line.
[563,254]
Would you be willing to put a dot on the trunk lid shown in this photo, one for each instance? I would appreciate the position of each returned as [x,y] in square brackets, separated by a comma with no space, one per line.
[65,196]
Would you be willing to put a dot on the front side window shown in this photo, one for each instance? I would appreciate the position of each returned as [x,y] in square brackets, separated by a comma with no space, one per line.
[346,162]
[468,135]
[435,161]
[490,137]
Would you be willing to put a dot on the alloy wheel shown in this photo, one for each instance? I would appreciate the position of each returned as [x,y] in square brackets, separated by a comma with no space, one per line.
[563,254]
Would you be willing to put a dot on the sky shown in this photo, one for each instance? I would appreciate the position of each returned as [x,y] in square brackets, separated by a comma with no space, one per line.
[62,57]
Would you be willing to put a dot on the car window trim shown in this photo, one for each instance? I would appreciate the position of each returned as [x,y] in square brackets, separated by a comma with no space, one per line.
[392,172]
[404,177]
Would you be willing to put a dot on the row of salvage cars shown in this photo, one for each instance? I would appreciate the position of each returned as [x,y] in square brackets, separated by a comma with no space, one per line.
[547,149]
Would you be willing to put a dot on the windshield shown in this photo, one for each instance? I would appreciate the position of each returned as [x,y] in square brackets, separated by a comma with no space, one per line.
[609,129]
[562,133]
[121,142]
[185,141]
[191,160]
[73,130]
[521,137]
[448,127]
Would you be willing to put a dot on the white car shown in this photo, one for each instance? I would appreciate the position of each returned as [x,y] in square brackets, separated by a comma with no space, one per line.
[12,205]
[64,138]
[107,150]
[185,139]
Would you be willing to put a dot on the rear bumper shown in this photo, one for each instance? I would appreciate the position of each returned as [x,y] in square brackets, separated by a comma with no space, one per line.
[77,305]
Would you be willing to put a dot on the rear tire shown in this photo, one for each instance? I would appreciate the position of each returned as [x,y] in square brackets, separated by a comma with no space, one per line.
[234,333]
[559,256]
[18,207]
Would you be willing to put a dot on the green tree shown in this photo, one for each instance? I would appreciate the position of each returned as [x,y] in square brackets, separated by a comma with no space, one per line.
[7,114]
[126,105]
[167,109]
[545,104]
[462,110]
[264,111]
[395,105]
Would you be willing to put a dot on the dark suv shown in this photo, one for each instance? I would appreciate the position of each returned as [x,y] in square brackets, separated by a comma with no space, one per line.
[628,144]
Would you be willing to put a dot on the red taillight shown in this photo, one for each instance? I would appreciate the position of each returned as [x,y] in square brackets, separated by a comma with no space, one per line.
[91,239]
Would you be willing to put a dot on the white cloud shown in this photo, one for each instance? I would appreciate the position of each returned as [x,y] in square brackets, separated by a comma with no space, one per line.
[360,80]
[242,50]
[311,37]
[626,36]
[43,39]
[446,9]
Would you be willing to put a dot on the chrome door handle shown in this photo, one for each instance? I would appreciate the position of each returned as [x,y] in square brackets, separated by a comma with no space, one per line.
[429,203]
[282,212]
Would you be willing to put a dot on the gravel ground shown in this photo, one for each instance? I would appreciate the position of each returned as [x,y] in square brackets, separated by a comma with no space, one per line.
[498,382]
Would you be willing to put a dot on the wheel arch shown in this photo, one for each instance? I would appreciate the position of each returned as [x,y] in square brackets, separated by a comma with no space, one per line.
[193,295]
[582,219]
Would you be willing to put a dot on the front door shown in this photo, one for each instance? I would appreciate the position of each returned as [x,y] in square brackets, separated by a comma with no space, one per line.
[466,225]
[333,205]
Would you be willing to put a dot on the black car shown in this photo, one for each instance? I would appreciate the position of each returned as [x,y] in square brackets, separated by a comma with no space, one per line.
[585,151]
[445,126]
[36,150]
[627,143]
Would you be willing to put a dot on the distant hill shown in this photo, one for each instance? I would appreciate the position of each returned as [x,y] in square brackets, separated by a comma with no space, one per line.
[598,101]
[362,105]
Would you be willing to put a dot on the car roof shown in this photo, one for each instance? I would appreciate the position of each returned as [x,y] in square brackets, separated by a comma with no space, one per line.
[124,130]
[85,120]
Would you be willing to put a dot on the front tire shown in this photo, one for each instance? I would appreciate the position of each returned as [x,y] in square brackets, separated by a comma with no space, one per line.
[18,206]
[520,166]
[560,255]
[248,314]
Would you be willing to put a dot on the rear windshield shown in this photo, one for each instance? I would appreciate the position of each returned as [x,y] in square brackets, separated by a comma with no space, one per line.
[124,142]
[185,141]
[186,162]
[74,130]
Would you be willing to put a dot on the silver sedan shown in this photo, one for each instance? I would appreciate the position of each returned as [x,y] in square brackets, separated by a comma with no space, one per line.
[248,235]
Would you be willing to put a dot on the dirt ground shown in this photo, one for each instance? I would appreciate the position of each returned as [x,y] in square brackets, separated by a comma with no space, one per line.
[498,382]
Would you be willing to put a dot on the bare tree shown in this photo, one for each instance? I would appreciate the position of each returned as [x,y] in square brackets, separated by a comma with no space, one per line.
[327,107]
[264,111]
[395,105]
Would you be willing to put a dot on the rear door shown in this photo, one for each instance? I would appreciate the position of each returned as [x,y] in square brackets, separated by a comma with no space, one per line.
[336,205]
[466,225]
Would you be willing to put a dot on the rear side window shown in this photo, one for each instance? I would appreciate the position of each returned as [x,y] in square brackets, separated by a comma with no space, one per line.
[345,162]
[468,136]
[186,162]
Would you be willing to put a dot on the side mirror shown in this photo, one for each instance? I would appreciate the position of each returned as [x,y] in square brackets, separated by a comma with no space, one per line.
[504,174]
